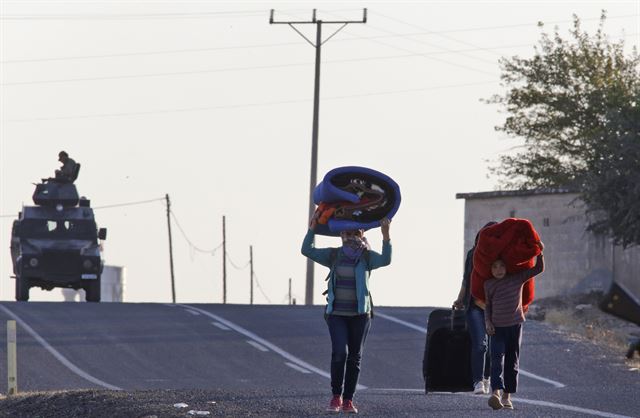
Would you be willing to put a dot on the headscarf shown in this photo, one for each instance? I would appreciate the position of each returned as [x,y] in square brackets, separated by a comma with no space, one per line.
[354,245]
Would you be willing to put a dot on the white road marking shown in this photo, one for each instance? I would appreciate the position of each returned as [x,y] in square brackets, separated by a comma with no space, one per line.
[288,356]
[57,354]
[296,367]
[400,321]
[520,400]
[258,346]
[192,312]
[171,305]
[394,390]
[222,327]
[542,379]
[424,331]
[570,408]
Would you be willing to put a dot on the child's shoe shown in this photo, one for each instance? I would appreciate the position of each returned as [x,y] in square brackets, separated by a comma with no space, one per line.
[478,388]
[494,402]
[335,404]
[506,403]
[348,407]
[487,386]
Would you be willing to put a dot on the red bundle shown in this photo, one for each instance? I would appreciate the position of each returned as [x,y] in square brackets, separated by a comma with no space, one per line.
[514,241]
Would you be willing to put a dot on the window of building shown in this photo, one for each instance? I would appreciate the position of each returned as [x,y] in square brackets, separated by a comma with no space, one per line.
[512,213]
[545,222]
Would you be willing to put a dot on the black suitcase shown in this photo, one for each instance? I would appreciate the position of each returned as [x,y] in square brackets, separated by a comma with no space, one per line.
[621,302]
[446,365]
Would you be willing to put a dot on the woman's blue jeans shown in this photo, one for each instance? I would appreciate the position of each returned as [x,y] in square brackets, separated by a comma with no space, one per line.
[480,358]
[348,334]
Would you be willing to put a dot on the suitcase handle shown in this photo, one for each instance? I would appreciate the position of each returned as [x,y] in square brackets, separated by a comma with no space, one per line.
[453,315]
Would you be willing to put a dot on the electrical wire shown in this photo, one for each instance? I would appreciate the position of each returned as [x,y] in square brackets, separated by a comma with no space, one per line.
[137,16]
[145,53]
[174,73]
[442,35]
[260,288]
[192,246]
[453,51]
[229,69]
[347,39]
[245,105]
[427,56]
[234,265]
[116,205]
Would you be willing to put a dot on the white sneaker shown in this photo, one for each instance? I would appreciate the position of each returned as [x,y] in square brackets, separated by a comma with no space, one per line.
[478,388]
[487,386]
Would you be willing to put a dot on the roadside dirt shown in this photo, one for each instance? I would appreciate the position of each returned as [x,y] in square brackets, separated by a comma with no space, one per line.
[580,317]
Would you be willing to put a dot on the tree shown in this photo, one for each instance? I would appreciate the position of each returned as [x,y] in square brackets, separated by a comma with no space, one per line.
[576,105]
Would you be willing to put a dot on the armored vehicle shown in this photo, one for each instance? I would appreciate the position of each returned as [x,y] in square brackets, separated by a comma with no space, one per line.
[57,243]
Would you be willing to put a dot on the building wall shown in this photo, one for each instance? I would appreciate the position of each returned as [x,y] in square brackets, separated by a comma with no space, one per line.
[576,261]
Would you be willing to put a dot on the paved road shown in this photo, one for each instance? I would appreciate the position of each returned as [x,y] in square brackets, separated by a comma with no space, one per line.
[285,350]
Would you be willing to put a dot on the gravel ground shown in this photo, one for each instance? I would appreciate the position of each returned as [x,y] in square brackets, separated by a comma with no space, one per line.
[263,403]
[139,404]
[580,317]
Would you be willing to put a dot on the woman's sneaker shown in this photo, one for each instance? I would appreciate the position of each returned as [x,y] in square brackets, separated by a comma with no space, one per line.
[478,388]
[494,402]
[348,407]
[336,404]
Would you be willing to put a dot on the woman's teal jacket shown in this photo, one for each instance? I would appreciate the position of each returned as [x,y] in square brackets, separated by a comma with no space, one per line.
[326,257]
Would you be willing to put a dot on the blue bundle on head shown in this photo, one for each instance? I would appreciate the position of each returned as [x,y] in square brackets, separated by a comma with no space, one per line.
[354,198]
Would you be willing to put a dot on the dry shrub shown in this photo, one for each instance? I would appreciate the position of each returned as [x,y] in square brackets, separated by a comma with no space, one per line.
[592,325]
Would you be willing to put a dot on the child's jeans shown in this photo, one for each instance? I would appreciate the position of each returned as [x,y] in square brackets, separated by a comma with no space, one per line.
[505,356]
[479,353]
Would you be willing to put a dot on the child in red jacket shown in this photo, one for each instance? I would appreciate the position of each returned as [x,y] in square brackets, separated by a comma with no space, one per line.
[503,318]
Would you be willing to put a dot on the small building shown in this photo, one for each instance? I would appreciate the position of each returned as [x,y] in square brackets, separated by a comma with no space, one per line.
[112,286]
[577,261]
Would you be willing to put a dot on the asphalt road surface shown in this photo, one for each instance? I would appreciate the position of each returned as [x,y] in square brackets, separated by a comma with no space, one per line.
[278,358]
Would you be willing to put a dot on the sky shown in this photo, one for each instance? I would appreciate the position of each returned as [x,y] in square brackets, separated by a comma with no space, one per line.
[209,103]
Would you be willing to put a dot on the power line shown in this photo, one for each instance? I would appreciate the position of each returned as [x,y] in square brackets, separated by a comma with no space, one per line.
[245,105]
[260,288]
[426,43]
[427,56]
[347,39]
[235,265]
[117,205]
[134,16]
[133,76]
[191,244]
[144,53]
[433,33]
[231,69]
[520,25]
[288,43]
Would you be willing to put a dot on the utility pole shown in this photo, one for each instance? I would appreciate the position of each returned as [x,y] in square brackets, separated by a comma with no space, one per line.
[224,261]
[173,281]
[308,300]
[289,290]
[251,279]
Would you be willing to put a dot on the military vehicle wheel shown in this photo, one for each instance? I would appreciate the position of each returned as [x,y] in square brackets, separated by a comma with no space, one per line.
[22,289]
[92,291]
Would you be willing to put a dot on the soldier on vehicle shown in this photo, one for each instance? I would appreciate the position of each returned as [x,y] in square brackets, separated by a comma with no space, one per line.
[66,173]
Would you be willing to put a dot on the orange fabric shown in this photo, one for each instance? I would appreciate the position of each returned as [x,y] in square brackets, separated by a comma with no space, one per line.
[325,211]
[514,241]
